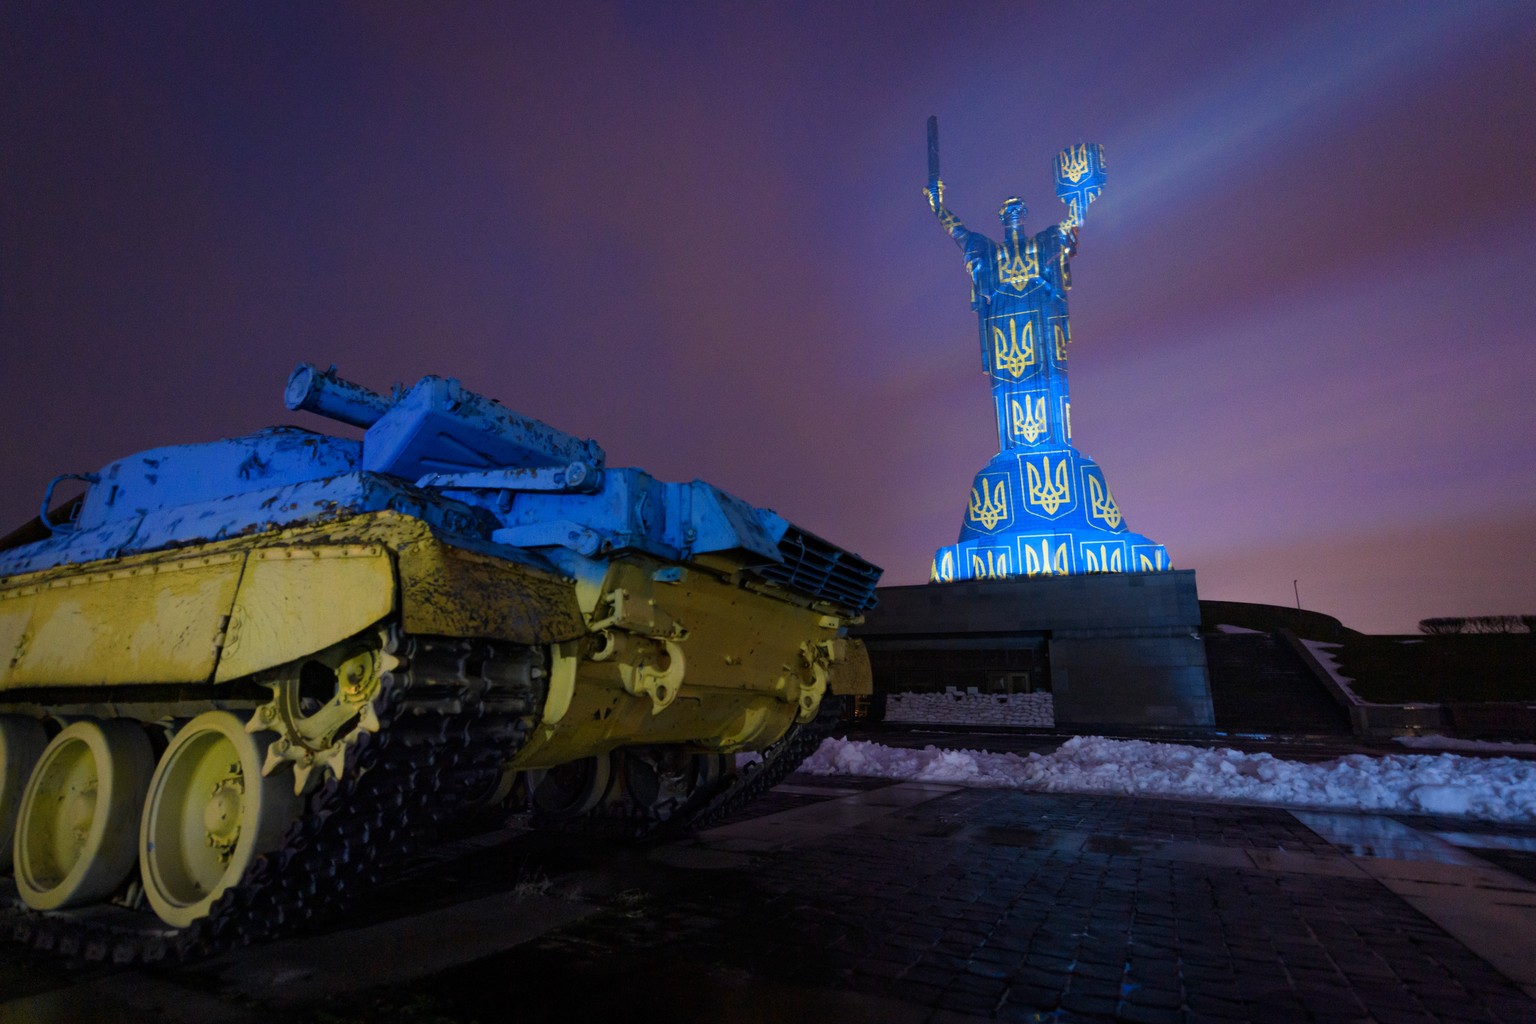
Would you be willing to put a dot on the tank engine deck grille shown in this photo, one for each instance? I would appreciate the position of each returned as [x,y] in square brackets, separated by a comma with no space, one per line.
[825,571]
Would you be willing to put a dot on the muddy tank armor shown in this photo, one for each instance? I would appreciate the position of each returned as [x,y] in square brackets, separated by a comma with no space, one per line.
[240,681]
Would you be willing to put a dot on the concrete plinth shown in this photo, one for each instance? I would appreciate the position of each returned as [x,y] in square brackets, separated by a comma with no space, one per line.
[1117,650]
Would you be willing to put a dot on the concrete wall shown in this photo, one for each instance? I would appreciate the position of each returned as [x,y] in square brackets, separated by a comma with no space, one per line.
[1125,650]
[1145,682]
[954,707]
[1110,603]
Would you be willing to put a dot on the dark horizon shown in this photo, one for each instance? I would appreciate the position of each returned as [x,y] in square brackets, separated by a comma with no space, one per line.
[1301,310]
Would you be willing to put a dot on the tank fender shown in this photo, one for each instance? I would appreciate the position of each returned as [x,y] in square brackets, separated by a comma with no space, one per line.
[301,598]
[449,591]
[213,613]
[160,619]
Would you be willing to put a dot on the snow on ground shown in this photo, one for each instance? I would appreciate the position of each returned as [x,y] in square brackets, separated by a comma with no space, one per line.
[1323,652]
[1497,789]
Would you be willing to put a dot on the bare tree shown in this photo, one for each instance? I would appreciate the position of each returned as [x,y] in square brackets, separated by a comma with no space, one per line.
[1478,624]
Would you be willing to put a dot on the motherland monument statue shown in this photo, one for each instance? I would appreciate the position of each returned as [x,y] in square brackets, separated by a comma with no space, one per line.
[1040,506]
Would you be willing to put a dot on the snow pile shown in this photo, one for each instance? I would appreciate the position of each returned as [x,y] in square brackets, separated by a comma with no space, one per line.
[1497,789]
[971,708]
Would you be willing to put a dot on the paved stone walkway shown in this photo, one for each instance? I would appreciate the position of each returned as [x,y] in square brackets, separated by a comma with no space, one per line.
[859,900]
[938,903]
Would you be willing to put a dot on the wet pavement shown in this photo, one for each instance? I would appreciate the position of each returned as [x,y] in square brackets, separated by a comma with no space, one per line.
[862,900]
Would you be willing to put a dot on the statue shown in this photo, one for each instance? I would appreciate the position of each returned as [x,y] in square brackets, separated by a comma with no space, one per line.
[1040,507]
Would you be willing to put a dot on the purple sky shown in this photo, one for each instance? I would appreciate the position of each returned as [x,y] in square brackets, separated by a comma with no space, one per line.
[1302,311]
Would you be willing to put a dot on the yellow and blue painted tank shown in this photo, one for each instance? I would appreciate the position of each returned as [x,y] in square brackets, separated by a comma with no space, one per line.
[240,680]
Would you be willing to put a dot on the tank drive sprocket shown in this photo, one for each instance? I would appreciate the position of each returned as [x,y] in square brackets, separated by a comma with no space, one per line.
[322,707]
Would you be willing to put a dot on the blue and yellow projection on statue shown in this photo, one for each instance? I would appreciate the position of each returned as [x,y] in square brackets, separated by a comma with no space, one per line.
[1040,507]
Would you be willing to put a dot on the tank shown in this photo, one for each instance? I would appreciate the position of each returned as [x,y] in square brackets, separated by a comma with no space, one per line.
[241,680]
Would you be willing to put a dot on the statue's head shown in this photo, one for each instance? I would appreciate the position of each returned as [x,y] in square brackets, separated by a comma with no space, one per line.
[1013,212]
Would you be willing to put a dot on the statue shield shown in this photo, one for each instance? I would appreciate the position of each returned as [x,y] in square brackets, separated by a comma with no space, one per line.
[1079,178]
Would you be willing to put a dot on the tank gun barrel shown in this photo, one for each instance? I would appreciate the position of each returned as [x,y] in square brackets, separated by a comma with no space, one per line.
[329,395]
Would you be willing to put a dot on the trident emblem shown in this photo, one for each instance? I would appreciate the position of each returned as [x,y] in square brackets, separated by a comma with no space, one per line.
[994,568]
[990,506]
[1103,502]
[1043,562]
[1015,353]
[1062,338]
[1072,163]
[1029,418]
[1104,560]
[1049,492]
[1016,272]
[943,571]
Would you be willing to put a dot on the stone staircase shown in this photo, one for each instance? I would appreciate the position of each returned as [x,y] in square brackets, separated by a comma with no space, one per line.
[1259,685]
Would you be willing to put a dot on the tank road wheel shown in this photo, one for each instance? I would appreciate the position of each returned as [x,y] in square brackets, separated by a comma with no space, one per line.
[74,833]
[661,780]
[209,813]
[572,789]
[495,793]
[320,706]
[21,743]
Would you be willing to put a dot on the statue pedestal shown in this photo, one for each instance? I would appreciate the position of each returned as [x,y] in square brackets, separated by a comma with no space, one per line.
[1119,652]
[1044,513]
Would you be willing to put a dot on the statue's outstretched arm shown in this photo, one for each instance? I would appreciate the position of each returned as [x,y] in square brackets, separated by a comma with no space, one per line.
[1057,245]
[934,190]
[1068,233]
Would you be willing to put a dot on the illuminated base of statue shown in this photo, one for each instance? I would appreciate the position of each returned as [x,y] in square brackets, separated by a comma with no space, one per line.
[1044,512]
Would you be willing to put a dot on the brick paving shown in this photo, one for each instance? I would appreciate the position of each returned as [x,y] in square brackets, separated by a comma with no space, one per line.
[861,900]
[985,904]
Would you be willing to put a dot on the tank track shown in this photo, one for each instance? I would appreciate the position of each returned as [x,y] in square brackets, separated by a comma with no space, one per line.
[623,819]
[753,780]
[451,714]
